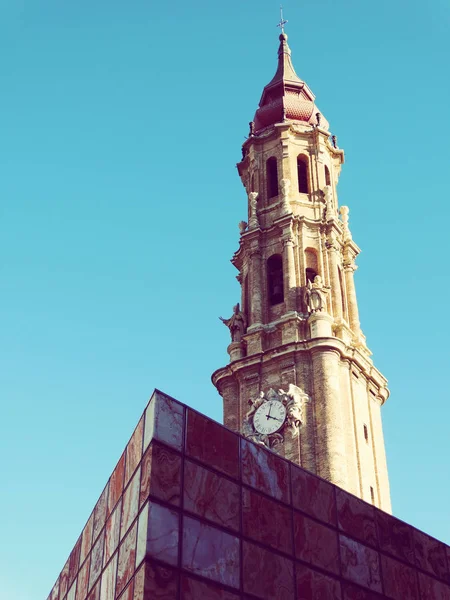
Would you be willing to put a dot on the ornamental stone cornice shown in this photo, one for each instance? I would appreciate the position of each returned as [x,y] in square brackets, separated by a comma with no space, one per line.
[347,353]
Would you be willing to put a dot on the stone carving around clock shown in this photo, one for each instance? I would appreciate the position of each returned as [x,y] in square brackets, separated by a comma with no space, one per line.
[272,413]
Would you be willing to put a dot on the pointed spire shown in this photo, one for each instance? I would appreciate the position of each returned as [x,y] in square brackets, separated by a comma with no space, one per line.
[286,97]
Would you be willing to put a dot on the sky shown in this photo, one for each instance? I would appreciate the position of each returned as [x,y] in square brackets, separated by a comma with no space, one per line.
[121,125]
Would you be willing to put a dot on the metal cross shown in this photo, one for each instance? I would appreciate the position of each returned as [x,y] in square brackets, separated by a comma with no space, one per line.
[282,22]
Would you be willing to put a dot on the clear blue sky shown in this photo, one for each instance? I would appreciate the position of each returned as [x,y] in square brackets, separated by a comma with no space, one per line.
[120,127]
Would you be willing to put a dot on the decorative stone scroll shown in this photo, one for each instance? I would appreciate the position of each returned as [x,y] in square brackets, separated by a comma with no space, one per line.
[293,401]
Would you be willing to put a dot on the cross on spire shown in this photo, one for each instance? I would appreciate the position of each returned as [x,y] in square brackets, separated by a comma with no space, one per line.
[282,22]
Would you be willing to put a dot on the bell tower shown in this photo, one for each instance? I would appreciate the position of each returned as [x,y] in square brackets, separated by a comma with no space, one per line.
[296,336]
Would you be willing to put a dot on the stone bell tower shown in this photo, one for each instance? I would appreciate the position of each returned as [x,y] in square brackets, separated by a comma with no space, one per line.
[296,336]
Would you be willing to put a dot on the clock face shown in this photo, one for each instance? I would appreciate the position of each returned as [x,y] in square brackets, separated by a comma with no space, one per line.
[269,417]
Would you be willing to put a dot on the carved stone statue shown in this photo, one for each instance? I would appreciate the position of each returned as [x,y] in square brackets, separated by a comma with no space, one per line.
[237,324]
[315,295]
[295,399]
[242,226]
[285,185]
[253,221]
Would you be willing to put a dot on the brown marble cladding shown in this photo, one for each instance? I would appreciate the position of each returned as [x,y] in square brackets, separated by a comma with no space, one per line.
[112,531]
[316,544]
[83,581]
[130,503]
[207,514]
[210,552]
[100,513]
[161,474]
[134,451]
[360,564]
[211,496]
[96,560]
[212,444]
[265,471]
[266,521]
[267,575]
[116,483]
[127,557]
[312,585]
[86,539]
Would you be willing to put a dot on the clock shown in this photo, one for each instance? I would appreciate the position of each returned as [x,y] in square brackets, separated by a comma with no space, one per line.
[269,417]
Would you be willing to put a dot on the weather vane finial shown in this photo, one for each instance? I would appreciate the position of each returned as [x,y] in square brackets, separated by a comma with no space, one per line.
[282,22]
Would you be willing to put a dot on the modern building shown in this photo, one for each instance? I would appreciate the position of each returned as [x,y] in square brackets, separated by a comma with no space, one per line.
[289,500]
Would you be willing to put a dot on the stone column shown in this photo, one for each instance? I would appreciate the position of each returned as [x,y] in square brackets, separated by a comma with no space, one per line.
[330,439]
[289,275]
[335,283]
[255,291]
[352,304]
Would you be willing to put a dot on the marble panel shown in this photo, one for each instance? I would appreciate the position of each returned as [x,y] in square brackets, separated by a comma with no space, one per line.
[64,580]
[267,575]
[96,560]
[312,585]
[161,474]
[430,554]
[108,587]
[112,531]
[86,539]
[266,521]
[211,496]
[316,544]
[395,537]
[141,546]
[447,575]
[400,581]
[212,444]
[127,559]
[83,580]
[129,592]
[100,513]
[432,589]
[54,594]
[353,592]
[356,517]
[360,564]
[164,421]
[134,451]
[313,495]
[193,589]
[116,483]
[162,533]
[95,592]
[72,591]
[265,471]
[74,561]
[130,503]
[210,552]
[154,582]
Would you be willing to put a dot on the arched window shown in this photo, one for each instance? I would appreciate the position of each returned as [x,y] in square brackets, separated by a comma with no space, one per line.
[275,279]
[302,174]
[311,264]
[310,274]
[327,176]
[272,177]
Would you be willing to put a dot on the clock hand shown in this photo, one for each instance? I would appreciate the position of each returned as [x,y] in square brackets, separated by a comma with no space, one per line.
[268,415]
[275,418]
